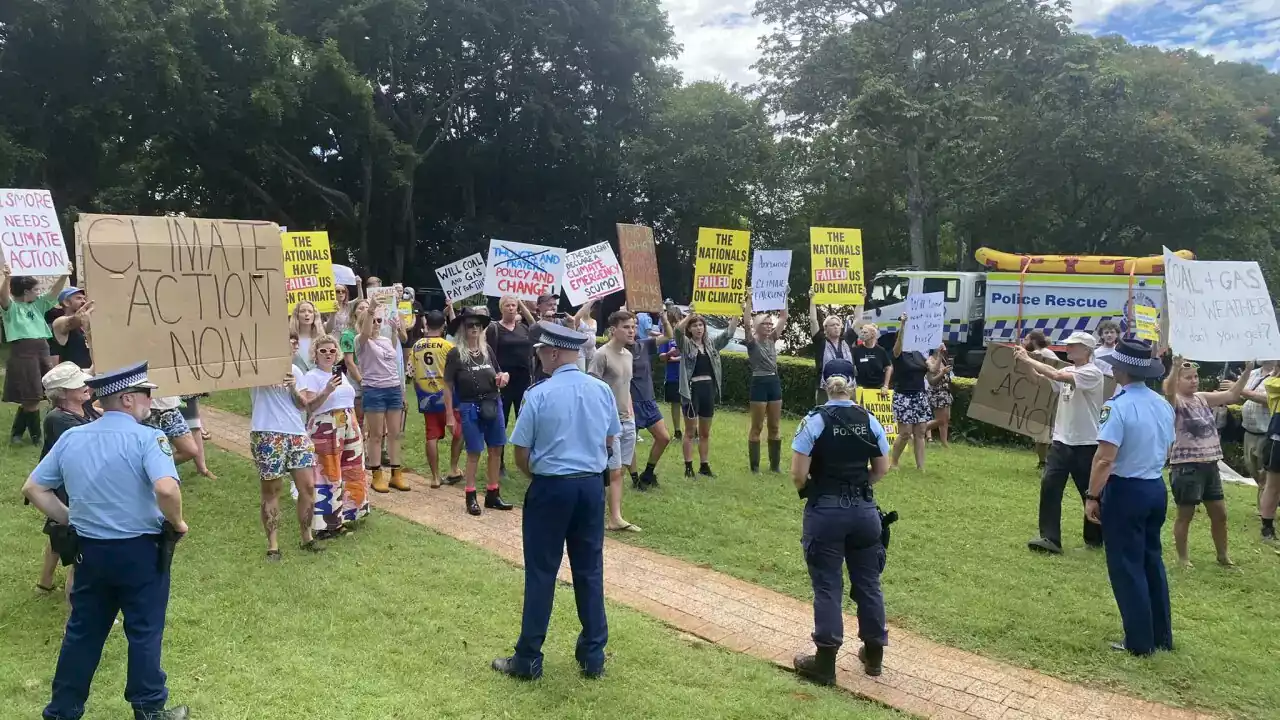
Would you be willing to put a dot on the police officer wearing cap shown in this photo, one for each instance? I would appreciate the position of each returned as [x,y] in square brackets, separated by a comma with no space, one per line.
[841,451]
[562,441]
[1128,496]
[120,477]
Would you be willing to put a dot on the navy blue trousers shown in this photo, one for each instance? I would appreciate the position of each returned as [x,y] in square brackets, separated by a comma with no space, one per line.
[560,513]
[844,533]
[112,577]
[1133,511]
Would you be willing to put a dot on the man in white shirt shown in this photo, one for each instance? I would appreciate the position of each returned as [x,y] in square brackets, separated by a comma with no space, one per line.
[1075,438]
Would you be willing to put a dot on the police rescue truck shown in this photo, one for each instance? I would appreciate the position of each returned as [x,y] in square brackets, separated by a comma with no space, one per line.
[1019,294]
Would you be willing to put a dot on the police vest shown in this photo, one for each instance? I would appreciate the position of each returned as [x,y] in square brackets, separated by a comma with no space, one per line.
[842,452]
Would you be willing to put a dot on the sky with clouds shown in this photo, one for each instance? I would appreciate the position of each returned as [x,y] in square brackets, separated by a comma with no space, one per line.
[720,37]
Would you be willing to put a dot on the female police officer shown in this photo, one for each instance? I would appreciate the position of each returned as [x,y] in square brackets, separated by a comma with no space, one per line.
[833,447]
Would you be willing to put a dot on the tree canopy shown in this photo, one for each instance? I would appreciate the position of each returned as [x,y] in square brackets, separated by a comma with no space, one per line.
[413,132]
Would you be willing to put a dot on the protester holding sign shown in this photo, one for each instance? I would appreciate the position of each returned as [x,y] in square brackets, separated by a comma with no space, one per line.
[281,446]
[1254,418]
[350,363]
[305,322]
[511,344]
[648,415]
[68,321]
[911,409]
[830,342]
[1193,464]
[28,336]
[766,385]
[700,380]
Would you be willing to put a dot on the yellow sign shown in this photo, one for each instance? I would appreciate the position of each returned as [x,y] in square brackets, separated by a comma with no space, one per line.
[406,312]
[308,270]
[720,271]
[1147,322]
[880,404]
[836,262]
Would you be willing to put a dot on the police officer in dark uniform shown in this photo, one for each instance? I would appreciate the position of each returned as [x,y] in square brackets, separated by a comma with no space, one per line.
[841,450]
[125,517]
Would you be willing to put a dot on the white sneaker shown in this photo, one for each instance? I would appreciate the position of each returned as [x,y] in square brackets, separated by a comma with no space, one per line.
[293,490]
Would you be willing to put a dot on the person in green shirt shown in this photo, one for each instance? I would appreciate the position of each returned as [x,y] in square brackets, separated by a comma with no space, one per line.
[28,336]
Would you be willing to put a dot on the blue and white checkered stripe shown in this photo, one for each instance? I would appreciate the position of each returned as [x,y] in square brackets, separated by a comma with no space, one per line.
[124,383]
[1057,330]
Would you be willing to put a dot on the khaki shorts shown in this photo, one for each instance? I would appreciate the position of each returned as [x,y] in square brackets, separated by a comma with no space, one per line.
[1253,452]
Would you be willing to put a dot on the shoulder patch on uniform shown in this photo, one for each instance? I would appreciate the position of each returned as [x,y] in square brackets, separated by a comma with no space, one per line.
[804,420]
[1106,413]
[165,447]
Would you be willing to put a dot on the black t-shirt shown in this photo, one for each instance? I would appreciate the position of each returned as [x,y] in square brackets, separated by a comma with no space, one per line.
[472,379]
[76,349]
[909,370]
[513,348]
[871,364]
[642,353]
[58,421]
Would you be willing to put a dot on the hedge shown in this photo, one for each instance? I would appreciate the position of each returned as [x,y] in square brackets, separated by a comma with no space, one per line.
[799,379]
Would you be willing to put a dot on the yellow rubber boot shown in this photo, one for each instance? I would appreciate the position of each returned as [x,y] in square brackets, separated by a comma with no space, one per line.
[397,480]
[380,481]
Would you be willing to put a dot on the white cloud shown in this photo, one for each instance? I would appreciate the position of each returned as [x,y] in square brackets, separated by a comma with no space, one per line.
[721,38]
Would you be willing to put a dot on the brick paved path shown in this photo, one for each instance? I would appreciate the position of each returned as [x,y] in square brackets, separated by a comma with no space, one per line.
[920,677]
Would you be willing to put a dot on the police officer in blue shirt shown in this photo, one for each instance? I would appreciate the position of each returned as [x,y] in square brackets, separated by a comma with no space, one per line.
[841,451]
[562,441]
[1127,495]
[123,486]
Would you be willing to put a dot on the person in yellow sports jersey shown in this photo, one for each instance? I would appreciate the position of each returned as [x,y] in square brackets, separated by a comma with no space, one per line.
[427,361]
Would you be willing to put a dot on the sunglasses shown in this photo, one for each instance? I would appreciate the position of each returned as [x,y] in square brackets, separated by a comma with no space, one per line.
[472,325]
[139,391]
[377,321]
[1188,365]
[327,351]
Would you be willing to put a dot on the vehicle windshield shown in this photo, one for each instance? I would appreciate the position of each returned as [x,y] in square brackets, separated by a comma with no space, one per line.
[887,290]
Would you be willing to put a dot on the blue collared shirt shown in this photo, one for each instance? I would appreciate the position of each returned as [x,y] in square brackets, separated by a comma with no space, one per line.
[644,324]
[814,423]
[1139,422]
[565,421]
[109,469]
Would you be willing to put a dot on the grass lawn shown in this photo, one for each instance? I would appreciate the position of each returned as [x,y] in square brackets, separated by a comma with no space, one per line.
[959,571]
[397,622]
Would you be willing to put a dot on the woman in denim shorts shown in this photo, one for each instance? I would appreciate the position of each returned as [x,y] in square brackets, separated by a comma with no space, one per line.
[383,389]
[473,382]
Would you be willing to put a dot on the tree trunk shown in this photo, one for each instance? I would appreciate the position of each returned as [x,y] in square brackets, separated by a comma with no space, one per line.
[916,208]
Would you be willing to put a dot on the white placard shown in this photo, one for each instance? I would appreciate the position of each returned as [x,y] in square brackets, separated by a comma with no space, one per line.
[343,275]
[770,272]
[1219,311]
[462,279]
[30,235]
[591,273]
[925,315]
[525,271]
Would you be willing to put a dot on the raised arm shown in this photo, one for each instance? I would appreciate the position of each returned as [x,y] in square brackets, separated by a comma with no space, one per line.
[1170,384]
[52,295]
[524,313]
[1232,396]
[902,333]
[780,327]
[364,325]
[815,327]
[5,297]
[1044,369]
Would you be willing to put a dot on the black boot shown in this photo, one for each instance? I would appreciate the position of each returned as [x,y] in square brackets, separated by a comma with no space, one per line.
[637,482]
[34,426]
[819,668]
[679,435]
[473,507]
[775,456]
[872,657]
[753,453]
[178,713]
[648,478]
[705,470]
[493,500]
[688,469]
[19,426]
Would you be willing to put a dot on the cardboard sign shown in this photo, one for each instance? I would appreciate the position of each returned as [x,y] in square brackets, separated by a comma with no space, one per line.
[720,271]
[381,298]
[525,271]
[640,268]
[1146,322]
[591,273]
[462,279]
[880,404]
[1219,311]
[343,275]
[30,235]
[203,301]
[770,275]
[1012,396]
[308,271]
[836,261]
[926,313]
